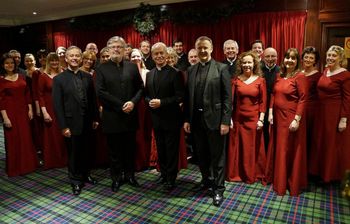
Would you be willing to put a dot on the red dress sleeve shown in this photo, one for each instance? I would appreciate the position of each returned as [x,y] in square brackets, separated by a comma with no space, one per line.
[301,85]
[263,96]
[41,90]
[345,91]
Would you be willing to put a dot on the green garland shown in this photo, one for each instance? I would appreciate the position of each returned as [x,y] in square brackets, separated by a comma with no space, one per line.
[146,18]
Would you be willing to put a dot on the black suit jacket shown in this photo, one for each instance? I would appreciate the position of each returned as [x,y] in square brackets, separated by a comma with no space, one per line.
[67,104]
[182,63]
[115,86]
[170,91]
[217,98]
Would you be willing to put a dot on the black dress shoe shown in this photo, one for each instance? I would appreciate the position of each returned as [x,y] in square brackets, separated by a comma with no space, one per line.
[91,180]
[202,186]
[133,182]
[76,189]
[218,199]
[161,180]
[115,186]
[169,186]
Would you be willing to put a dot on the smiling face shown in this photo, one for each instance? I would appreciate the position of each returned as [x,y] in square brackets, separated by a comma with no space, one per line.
[290,61]
[332,59]
[9,65]
[270,57]
[204,49]
[159,55]
[117,50]
[73,58]
[230,51]
[309,60]
[257,48]
[135,56]
[88,63]
[247,64]
[29,62]
[178,47]
[54,64]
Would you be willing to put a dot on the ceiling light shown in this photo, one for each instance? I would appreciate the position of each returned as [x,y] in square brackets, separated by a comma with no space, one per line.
[34,13]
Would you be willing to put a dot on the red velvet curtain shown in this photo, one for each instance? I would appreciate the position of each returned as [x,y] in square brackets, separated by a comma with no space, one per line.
[280,30]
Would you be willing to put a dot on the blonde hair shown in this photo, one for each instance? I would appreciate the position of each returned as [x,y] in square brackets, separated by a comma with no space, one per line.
[343,62]
[52,56]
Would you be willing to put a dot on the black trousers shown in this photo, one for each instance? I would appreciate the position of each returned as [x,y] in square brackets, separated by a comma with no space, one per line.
[79,157]
[168,153]
[122,148]
[210,146]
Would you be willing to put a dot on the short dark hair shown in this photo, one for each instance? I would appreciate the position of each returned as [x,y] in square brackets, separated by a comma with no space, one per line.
[41,52]
[287,54]
[257,41]
[177,41]
[311,50]
[2,61]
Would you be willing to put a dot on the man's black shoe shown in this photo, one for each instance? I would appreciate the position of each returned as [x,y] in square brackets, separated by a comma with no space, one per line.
[76,189]
[133,182]
[218,199]
[115,186]
[91,180]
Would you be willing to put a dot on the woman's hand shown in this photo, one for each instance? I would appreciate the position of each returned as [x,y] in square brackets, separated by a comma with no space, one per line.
[341,125]
[7,123]
[259,124]
[294,125]
[47,117]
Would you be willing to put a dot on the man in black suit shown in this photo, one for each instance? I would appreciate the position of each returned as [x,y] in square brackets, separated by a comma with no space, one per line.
[231,51]
[182,62]
[164,93]
[119,88]
[208,108]
[75,106]
[145,48]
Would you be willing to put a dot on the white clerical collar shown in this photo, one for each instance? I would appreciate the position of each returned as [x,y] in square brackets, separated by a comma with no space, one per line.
[231,61]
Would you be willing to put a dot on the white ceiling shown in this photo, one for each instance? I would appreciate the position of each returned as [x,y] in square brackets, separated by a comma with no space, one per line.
[19,12]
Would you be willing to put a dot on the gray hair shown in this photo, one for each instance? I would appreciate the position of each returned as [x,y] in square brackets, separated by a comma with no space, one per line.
[116,39]
[230,41]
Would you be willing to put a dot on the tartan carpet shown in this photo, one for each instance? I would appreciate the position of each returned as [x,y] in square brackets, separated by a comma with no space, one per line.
[45,197]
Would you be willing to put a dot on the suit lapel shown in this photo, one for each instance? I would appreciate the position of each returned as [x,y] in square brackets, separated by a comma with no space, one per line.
[212,72]
[192,80]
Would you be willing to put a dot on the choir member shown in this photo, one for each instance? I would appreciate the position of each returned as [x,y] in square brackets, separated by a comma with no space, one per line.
[54,149]
[310,58]
[331,155]
[286,159]
[246,159]
[144,132]
[16,111]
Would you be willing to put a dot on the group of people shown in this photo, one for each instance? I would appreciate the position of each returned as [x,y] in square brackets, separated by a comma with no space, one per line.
[246,118]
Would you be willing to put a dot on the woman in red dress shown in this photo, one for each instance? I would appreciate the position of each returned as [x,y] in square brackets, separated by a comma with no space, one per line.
[32,77]
[246,159]
[331,154]
[98,144]
[144,155]
[286,158]
[54,148]
[310,58]
[16,112]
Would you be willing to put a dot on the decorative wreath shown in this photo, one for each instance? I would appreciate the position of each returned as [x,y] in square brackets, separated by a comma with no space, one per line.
[146,19]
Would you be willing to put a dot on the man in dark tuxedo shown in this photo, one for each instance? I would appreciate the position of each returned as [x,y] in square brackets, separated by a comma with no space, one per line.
[75,106]
[208,108]
[164,93]
[231,51]
[119,88]
[270,70]
[182,62]
[145,48]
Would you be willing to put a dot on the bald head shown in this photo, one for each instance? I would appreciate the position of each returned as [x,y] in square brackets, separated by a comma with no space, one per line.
[270,57]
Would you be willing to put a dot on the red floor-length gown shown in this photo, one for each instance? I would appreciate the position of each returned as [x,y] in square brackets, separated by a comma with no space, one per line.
[331,155]
[37,122]
[54,148]
[311,109]
[246,159]
[21,156]
[143,137]
[286,158]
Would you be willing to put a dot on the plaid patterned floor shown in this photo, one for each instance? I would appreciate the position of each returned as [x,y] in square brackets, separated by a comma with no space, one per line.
[45,197]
